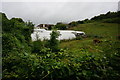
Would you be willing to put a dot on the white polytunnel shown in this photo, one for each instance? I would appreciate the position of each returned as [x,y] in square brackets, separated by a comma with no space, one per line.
[42,34]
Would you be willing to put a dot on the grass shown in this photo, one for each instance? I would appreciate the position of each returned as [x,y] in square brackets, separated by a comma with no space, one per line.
[105,32]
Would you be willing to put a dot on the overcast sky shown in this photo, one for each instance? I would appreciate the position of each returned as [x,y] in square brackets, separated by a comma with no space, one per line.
[53,12]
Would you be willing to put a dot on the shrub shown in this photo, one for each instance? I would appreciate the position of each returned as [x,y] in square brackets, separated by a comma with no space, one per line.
[37,46]
[53,43]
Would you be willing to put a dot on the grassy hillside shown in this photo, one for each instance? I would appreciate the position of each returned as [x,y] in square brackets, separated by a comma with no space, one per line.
[96,30]
[104,30]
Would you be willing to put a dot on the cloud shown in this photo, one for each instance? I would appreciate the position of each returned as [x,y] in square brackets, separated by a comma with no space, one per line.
[53,12]
[60,0]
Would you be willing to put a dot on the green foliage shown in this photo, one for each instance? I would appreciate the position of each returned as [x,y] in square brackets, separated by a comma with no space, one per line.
[17,19]
[73,24]
[80,22]
[110,17]
[79,38]
[53,43]
[81,60]
[59,66]
[61,26]
[8,43]
[102,60]
[6,24]
[15,42]
[112,20]
[30,25]
[76,23]
[37,46]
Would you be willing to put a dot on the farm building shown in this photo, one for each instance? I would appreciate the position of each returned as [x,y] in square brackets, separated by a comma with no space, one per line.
[45,26]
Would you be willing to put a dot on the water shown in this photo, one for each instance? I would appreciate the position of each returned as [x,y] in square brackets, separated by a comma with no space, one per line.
[42,34]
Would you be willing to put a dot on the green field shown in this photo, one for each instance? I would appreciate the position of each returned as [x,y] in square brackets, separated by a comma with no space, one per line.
[105,32]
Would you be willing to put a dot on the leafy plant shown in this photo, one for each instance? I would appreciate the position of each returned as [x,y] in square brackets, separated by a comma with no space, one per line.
[53,43]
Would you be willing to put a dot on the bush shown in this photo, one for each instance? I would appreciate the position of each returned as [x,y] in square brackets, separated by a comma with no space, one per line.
[37,46]
[61,26]
[53,43]
[79,38]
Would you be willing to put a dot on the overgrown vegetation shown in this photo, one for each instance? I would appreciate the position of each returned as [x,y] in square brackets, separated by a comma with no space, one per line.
[61,26]
[109,17]
[53,43]
[95,57]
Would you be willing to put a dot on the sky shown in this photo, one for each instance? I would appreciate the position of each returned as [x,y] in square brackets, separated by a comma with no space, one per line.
[56,11]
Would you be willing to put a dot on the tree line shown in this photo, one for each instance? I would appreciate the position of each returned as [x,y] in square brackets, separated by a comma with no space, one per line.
[109,17]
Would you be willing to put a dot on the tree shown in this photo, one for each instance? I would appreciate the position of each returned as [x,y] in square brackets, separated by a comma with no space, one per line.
[18,19]
[61,26]
[80,22]
[30,25]
[53,43]
[72,24]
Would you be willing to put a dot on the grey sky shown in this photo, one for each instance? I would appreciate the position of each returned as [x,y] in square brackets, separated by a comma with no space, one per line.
[53,12]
